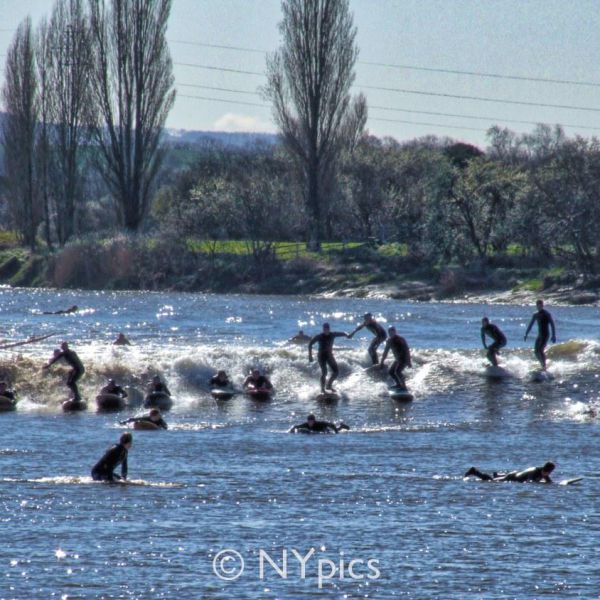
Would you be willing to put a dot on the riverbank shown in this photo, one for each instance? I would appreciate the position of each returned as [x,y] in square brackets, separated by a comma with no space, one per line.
[360,272]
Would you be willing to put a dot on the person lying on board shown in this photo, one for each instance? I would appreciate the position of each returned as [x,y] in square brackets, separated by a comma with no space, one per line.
[153,417]
[256,381]
[116,455]
[532,474]
[158,387]
[112,388]
[4,391]
[220,380]
[314,426]
[67,311]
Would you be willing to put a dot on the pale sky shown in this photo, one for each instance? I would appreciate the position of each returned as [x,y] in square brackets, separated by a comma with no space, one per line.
[541,39]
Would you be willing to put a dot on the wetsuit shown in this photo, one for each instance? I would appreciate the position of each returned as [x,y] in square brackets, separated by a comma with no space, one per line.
[160,423]
[261,383]
[221,383]
[499,338]
[380,336]
[116,390]
[8,394]
[325,356]
[103,470]
[159,388]
[545,322]
[318,427]
[532,474]
[397,344]
[76,372]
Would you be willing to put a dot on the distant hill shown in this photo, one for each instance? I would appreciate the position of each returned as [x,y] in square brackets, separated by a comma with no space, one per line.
[224,138]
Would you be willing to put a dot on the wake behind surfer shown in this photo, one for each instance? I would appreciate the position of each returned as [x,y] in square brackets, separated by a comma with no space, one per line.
[493,331]
[532,474]
[153,417]
[377,330]
[325,356]
[77,368]
[313,426]
[116,455]
[545,322]
[399,347]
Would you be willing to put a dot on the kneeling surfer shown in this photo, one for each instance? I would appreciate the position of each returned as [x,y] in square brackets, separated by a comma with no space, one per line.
[116,455]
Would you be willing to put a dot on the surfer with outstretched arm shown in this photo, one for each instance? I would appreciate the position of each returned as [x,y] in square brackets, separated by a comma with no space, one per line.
[532,474]
[314,426]
[399,347]
[325,356]
[116,455]
[493,331]
[545,322]
[153,417]
[257,381]
[77,369]
[377,330]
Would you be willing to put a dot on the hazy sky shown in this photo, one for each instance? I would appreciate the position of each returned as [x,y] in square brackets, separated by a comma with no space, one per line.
[542,39]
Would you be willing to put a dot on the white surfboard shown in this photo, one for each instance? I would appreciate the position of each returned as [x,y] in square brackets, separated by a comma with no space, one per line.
[570,481]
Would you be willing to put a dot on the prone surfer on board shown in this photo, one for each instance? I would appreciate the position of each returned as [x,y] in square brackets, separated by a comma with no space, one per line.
[257,381]
[66,311]
[377,330]
[325,354]
[397,344]
[157,386]
[153,417]
[220,380]
[499,338]
[314,426]
[545,322]
[532,474]
[116,455]
[112,388]
[77,369]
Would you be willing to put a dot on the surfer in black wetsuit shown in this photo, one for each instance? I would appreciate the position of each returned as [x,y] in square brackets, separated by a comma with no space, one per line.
[325,354]
[116,455]
[122,340]
[532,474]
[397,344]
[220,380]
[153,417]
[377,330]
[314,426]
[158,387]
[112,388]
[300,338]
[545,322]
[257,381]
[499,338]
[77,369]
[4,391]
[67,311]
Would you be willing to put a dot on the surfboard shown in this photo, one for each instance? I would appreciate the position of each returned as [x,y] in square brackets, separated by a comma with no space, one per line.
[328,396]
[400,394]
[145,426]
[74,406]
[158,400]
[541,376]
[496,373]
[110,402]
[570,481]
[259,393]
[7,404]
[222,393]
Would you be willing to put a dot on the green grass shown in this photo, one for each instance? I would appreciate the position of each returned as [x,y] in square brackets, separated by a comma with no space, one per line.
[394,249]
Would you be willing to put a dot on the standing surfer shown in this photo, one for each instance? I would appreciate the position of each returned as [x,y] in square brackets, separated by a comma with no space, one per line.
[77,369]
[499,338]
[325,356]
[545,322]
[399,347]
[377,330]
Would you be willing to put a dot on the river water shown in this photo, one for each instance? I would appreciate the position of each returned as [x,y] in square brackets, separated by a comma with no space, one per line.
[387,497]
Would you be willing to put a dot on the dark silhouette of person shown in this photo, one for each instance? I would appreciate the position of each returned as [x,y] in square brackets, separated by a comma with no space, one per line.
[122,340]
[77,369]
[399,347]
[545,322]
[532,474]
[325,356]
[220,380]
[313,426]
[116,455]
[153,417]
[257,381]
[112,388]
[493,331]
[377,330]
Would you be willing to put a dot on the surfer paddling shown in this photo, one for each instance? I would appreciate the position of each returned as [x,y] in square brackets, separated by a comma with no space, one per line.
[113,388]
[325,354]
[545,322]
[256,381]
[313,426]
[399,347]
[493,331]
[220,380]
[77,369]
[532,474]
[116,455]
[153,417]
[377,330]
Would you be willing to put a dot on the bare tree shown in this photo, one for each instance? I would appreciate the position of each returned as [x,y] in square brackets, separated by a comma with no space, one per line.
[19,95]
[132,83]
[309,81]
